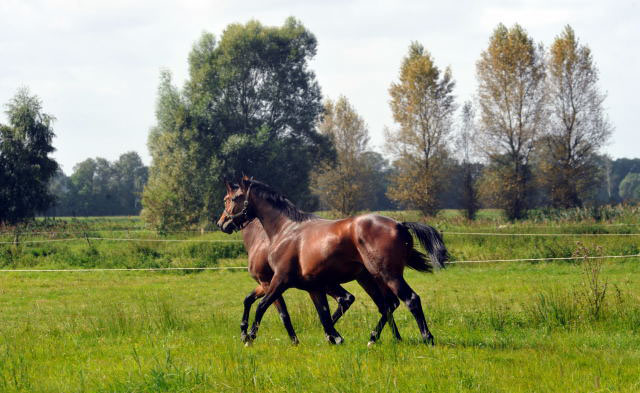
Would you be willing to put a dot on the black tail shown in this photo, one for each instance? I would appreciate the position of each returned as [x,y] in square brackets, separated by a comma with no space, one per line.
[432,241]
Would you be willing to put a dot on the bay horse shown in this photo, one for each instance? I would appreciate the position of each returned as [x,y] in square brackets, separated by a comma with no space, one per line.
[256,242]
[309,253]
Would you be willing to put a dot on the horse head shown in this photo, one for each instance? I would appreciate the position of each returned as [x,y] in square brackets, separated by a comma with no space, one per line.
[237,211]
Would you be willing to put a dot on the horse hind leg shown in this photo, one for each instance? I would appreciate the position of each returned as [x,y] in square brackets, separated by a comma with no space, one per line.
[386,308]
[403,291]
[256,294]
[392,304]
[344,298]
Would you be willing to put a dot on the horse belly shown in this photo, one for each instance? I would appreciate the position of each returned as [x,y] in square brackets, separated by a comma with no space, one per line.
[336,269]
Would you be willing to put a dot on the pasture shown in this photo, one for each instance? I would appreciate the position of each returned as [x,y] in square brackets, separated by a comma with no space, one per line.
[499,327]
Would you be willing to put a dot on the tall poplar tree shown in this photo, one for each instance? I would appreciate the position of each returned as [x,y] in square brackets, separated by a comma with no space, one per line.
[465,149]
[423,104]
[578,126]
[511,101]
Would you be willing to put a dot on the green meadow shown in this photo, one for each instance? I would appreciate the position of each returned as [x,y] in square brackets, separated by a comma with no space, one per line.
[557,326]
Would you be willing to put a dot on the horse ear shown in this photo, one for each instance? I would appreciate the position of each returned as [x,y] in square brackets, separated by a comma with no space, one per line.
[228,185]
[244,182]
[245,177]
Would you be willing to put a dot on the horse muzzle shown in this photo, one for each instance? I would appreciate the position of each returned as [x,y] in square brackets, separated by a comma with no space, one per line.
[227,227]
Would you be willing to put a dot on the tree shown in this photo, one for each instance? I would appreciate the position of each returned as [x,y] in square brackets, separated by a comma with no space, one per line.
[82,181]
[465,147]
[578,127]
[130,176]
[344,184]
[61,188]
[379,174]
[630,187]
[25,165]
[422,104]
[511,99]
[250,105]
[619,170]
[98,187]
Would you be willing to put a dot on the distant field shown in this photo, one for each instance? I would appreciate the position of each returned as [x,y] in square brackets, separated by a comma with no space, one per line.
[499,327]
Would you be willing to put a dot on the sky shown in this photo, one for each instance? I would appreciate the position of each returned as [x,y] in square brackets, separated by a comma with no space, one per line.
[96,64]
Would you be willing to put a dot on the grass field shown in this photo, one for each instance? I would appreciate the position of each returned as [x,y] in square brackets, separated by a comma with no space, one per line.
[499,327]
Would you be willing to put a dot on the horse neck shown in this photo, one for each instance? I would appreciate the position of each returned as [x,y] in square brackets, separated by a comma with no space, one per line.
[252,234]
[273,220]
[249,234]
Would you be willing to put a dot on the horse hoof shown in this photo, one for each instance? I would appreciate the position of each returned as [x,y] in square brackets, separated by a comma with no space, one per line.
[335,339]
[371,344]
[295,341]
[430,341]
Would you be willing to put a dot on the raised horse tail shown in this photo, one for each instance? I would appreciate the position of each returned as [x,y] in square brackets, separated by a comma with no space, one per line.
[432,241]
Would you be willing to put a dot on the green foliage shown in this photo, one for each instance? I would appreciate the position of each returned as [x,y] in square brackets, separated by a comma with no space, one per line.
[619,213]
[98,187]
[380,173]
[507,185]
[616,171]
[25,165]
[629,189]
[250,105]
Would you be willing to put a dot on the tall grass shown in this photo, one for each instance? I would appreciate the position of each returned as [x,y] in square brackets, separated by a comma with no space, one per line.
[499,327]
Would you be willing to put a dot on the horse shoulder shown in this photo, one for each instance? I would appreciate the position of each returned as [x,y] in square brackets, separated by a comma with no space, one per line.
[283,253]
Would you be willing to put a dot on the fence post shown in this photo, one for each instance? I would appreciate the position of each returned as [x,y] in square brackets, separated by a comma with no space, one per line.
[86,237]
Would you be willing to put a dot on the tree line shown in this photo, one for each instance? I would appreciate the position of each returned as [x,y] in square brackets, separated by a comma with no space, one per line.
[98,187]
[531,136]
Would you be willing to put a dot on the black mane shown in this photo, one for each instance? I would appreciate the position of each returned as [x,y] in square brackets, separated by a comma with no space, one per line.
[279,201]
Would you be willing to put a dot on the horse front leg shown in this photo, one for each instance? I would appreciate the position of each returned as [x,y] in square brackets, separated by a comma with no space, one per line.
[322,307]
[256,294]
[275,290]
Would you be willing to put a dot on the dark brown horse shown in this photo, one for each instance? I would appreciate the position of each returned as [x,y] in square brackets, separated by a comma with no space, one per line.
[256,242]
[310,253]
